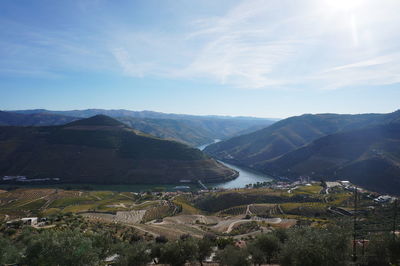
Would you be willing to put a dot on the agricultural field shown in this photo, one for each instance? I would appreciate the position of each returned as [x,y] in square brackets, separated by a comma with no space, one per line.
[238,213]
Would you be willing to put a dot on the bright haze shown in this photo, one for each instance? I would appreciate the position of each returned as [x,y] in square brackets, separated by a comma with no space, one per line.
[272,58]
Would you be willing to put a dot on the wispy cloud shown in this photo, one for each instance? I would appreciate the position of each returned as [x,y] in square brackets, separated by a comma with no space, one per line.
[381,70]
[255,44]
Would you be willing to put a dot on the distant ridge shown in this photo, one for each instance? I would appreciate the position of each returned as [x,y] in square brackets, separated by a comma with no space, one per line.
[35,119]
[138,114]
[189,129]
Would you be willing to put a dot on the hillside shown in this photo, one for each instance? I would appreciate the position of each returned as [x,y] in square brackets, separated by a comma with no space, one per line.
[368,157]
[188,129]
[258,148]
[102,150]
[194,132]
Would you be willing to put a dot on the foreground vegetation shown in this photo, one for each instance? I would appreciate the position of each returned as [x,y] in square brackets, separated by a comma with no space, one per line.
[300,225]
[75,241]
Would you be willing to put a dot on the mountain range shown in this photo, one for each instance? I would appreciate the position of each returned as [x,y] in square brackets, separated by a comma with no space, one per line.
[188,129]
[102,150]
[362,148]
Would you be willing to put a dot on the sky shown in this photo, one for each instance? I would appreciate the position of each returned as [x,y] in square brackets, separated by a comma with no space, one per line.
[264,58]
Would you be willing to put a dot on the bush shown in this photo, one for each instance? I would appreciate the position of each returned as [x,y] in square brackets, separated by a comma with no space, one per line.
[9,253]
[134,255]
[308,246]
[62,248]
[232,256]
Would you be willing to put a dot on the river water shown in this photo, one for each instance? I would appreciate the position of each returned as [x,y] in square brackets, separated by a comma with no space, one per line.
[246,176]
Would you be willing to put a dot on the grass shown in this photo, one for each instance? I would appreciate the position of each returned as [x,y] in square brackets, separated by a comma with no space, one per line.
[63,202]
[79,208]
[187,208]
[314,189]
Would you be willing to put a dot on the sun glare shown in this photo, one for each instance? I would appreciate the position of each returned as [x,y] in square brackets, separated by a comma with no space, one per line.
[343,5]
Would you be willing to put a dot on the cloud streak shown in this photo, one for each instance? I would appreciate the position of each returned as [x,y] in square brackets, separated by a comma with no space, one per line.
[254,44]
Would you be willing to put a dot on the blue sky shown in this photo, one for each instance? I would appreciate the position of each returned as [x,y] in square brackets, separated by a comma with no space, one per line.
[272,58]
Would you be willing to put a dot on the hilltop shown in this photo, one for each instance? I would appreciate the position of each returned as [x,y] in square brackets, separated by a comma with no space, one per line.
[101,149]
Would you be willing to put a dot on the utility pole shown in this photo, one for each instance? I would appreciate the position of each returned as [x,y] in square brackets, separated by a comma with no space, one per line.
[355,226]
[394,219]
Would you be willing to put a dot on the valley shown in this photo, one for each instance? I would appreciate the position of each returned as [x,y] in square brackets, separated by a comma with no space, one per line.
[98,176]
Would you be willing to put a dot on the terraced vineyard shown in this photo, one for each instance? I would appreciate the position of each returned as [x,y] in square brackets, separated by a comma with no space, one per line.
[239,210]
[264,210]
[166,208]
[174,214]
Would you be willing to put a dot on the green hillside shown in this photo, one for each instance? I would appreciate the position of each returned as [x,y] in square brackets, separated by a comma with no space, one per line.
[102,150]
[258,148]
[368,157]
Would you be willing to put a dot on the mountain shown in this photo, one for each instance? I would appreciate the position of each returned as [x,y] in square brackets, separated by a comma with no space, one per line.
[262,146]
[194,132]
[369,157]
[139,114]
[188,129]
[34,119]
[102,150]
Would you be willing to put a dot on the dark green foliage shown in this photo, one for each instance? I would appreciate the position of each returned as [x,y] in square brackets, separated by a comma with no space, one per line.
[266,244]
[9,253]
[281,234]
[232,256]
[179,252]
[62,248]
[204,249]
[222,242]
[134,255]
[316,247]
[383,250]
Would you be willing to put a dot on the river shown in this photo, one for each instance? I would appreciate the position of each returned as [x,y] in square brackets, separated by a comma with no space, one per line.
[246,176]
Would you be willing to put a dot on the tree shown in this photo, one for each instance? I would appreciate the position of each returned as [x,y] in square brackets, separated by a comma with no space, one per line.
[232,256]
[257,256]
[62,248]
[204,249]
[315,247]
[281,234]
[269,245]
[383,250]
[134,255]
[8,252]
[179,252]
[223,242]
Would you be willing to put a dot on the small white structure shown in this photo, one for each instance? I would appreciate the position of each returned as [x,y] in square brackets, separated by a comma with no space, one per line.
[30,220]
[383,199]
[332,184]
